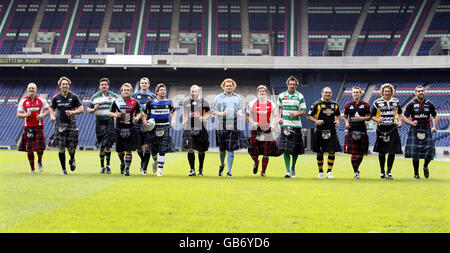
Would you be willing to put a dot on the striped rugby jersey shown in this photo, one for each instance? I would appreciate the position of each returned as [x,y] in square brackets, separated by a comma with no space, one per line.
[388,110]
[291,103]
[160,111]
[104,102]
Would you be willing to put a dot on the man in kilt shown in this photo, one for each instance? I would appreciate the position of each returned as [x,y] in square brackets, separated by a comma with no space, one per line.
[100,104]
[228,107]
[420,144]
[387,113]
[143,96]
[291,106]
[260,115]
[356,112]
[196,111]
[33,109]
[65,134]
[161,110]
[325,114]
[127,112]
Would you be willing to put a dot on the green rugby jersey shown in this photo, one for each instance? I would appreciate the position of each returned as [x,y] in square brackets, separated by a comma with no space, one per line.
[104,103]
[291,103]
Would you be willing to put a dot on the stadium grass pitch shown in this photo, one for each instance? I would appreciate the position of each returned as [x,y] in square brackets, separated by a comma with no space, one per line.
[87,201]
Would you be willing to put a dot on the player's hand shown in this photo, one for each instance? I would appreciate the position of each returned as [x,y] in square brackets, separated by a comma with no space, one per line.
[347,125]
[135,120]
[69,113]
[225,113]
[434,130]
[379,120]
[280,122]
[337,123]
[39,116]
[96,106]
[28,114]
[52,119]
[173,123]
[414,123]
[399,124]
[320,122]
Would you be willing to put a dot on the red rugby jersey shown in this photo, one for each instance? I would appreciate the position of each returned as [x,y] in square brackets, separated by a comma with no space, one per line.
[259,112]
[37,106]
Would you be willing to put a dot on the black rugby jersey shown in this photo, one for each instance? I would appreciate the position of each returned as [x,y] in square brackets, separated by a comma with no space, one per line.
[70,102]
[195,109]
[352,109]
[388,110]
[421,111]
[326,111]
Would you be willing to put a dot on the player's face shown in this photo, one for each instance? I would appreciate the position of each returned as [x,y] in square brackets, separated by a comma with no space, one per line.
[356,94]
[104,86]
[292,85]
[161,92]
[387,93]
[31,90]
[228,87]
[144,84]
[126,92]
[262,92]
[194,92]
[420,93]
[64,85]
[327,94]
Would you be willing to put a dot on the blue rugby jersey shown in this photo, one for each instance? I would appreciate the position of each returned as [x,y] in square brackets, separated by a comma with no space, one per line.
[159,110]
[143,98]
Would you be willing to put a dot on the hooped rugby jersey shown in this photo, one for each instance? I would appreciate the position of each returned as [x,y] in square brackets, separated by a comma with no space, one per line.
[261,112]
[129,109]
[291,103]
[388,110]
[104,102]
[421,111]
[160,111]
[36,107]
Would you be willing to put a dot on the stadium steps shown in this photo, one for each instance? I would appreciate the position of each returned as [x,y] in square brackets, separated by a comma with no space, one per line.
[245,27]
[357,31]
[102,41]
[70,29]
[36,24]
[424,29]
[304,30]
[175,25]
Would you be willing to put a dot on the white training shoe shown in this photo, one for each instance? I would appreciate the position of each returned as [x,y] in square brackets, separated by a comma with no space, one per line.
[330,175]
[154,166]
[40,168]
[159,172]
[32,171]
[320,175]
[293,173]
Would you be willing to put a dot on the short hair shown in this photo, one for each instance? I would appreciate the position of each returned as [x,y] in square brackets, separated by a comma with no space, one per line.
[261,87]
[228,80]
[195,86]
[292,78]
[357,88]
[62,79]
[387,85]
[144,78]
[104,79]
[419,87]
[28,85]
[325,88]
[126,85]
[159,86]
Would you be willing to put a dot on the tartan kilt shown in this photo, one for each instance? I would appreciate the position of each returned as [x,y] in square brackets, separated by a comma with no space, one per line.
[105,133]
[198,142]
[359,147]
[126,144]
[291,144]
[141,135]
[231,140]
[163,144]
[419,149]
[66,139]
[268,147]
[393,146]
[321,145]
[33,144]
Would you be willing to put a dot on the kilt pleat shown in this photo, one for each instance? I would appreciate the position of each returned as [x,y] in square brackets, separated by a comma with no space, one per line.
[126,144]
[321,145]
[66,139]
[105,133]
[392,146]
[163,144]
[198,142]
[356,147]
[291,144]
[268,147]
[231,140]
[419,149]
[33,144]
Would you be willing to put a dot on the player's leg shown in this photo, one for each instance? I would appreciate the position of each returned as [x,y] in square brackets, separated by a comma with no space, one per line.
[201,160]
[331,158]
[319,159]
[62,160]
[191,160]
[264,163]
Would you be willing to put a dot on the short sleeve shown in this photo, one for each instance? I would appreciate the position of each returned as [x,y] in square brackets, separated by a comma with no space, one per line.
[20,107]
[313,110]
[54,104]
[432,110]
[337,111]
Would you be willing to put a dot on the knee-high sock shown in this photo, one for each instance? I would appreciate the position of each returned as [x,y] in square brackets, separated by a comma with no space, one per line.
[30,155]
[222,158]
[416,166]
[161,161]
[256,160]
[382,160]
[425,164]
[128,159]
[390,162]
[40,153]
[141,154]
[62,159]
[265,161]
[102,159]
[72,154]
[146,158]
[191,159]
[108,157]
[331,158]
[356,161]
[294,161]
[201,159]
[121,157]
[230,159]
[320,161]
[287,161]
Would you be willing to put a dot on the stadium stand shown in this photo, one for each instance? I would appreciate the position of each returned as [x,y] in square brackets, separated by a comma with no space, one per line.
[438,27]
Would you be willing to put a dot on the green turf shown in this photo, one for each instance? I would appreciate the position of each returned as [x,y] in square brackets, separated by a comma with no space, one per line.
[87,201]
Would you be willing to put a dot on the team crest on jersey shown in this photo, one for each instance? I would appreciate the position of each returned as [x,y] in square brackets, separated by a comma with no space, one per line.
[351,107]
[139,96]
[361,106]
